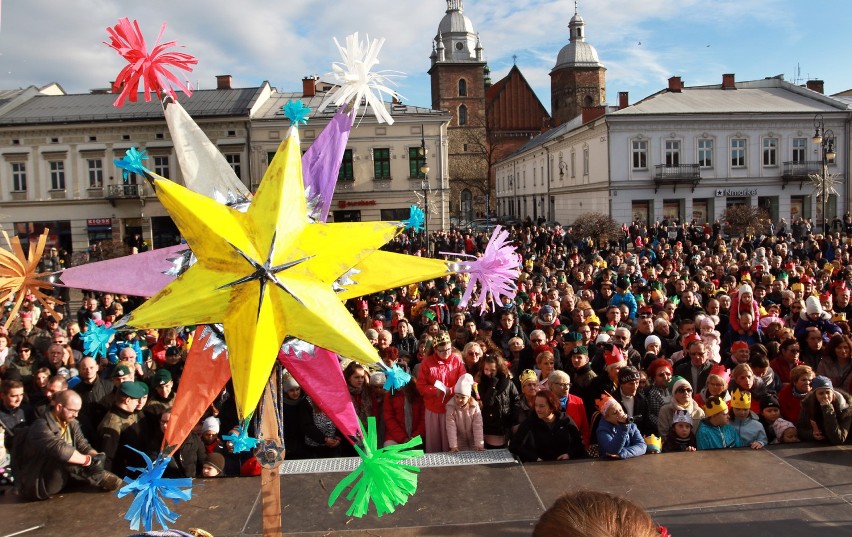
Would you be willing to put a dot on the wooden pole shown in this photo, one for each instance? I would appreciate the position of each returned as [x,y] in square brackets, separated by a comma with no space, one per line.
[270,478]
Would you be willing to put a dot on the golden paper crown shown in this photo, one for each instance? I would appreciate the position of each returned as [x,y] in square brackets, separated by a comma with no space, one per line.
[714,406]
[441,338]
[654,443]
[740,399]
[528,375]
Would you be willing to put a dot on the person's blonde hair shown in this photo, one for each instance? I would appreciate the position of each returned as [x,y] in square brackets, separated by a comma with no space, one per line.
[598,514]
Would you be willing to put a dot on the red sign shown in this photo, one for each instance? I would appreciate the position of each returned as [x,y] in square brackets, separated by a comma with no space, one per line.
[99,222]
[357,203]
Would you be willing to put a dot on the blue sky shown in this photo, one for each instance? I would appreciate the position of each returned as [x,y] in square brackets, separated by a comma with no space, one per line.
[641,43]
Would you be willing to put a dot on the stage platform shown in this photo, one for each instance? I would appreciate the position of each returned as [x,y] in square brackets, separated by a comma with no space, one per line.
[782,491]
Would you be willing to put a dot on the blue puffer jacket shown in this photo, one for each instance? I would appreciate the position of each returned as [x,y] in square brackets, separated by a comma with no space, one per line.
[623,440]
[625,298]
[712,437]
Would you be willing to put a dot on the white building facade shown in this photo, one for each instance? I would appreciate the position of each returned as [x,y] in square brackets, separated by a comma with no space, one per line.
[686,153]
[57,156]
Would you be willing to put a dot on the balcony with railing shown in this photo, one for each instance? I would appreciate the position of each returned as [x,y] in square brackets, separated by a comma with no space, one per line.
[799,171]
[678,175]
[113,193]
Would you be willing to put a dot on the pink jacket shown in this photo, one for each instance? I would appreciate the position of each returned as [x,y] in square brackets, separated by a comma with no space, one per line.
[464,426]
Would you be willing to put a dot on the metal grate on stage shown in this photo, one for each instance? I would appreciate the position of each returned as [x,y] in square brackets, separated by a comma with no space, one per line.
[429,460]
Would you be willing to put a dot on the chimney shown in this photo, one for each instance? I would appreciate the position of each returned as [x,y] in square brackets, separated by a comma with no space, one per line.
[675,84]
[728,81]
[223,82]
[623,101]
[309,86]
[591,113]
[816,85]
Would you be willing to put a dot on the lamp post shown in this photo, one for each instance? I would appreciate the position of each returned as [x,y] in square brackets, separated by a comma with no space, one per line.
[825,139]
[424,184]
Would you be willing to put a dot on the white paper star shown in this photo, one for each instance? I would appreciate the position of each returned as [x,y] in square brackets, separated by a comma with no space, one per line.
[828,182]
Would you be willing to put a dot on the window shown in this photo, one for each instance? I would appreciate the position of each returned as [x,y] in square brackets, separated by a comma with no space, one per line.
[672,152]
[800,146]
[415,162]
[770,151]
[573,165]
[705,153]
[19,176]
[161,166]
[233,160]
[462,88]
[534,176]
[462,115]
[96,173]
[381,163]
[347,167]
[738,153]
[57,175]
[640,155]
[269,156]
[585,161]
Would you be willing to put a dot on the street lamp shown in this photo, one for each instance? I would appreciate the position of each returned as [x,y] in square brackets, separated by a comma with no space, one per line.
[825,139]
[424,184]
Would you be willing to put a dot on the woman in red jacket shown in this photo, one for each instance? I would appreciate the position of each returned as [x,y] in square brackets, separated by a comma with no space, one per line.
[791,395]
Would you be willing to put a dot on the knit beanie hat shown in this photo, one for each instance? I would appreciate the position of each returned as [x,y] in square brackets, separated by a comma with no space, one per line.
[210,424]
[821,382]
[779,426]
[216,460]
[745,289]
[677,382]
[812,305]
[769,400]
[464,385]
[651,340]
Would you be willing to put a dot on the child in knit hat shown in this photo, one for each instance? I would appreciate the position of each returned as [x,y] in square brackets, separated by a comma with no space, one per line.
[681,437]
[743,301]
[770,412]
[813,315]
[464,418]
[785,432]
[745,421]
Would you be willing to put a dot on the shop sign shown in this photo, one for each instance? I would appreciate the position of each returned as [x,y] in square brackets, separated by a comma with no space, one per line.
[735,192]
[99,222]
[356,203]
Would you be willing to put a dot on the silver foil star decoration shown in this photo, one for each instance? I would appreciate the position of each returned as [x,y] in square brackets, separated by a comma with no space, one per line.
[434,200]
[302,350]
[828,182]
[212,335]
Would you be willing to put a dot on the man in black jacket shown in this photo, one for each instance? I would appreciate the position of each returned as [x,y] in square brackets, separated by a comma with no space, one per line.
[53,451]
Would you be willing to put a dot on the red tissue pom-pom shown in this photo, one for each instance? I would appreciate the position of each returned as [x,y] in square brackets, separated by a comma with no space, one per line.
[152,69]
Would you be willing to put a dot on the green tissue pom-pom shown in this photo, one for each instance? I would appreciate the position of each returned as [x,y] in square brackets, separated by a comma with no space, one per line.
[380,478]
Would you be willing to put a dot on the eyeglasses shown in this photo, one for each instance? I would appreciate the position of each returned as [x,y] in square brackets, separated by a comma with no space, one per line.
[684,390]
[442,349]
[563,384]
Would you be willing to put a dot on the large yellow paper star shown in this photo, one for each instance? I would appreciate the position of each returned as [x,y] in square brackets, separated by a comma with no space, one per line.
[264,274]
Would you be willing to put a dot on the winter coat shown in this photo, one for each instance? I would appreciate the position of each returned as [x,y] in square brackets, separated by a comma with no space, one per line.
[791,403]
[623,440]
[433,369]
[536,439]
[750,430]
[38,453]
[640,412]
[625,298]
[464,426]
[833,420]
[500,403]
[394,411]
[712,437]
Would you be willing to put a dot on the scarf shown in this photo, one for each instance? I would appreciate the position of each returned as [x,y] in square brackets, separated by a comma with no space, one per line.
[362,403]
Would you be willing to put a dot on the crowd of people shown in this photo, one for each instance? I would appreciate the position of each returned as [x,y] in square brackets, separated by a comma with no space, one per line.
[671,337]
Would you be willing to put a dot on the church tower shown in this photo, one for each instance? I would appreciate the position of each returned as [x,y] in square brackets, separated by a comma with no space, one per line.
[579,78]
[458,74]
